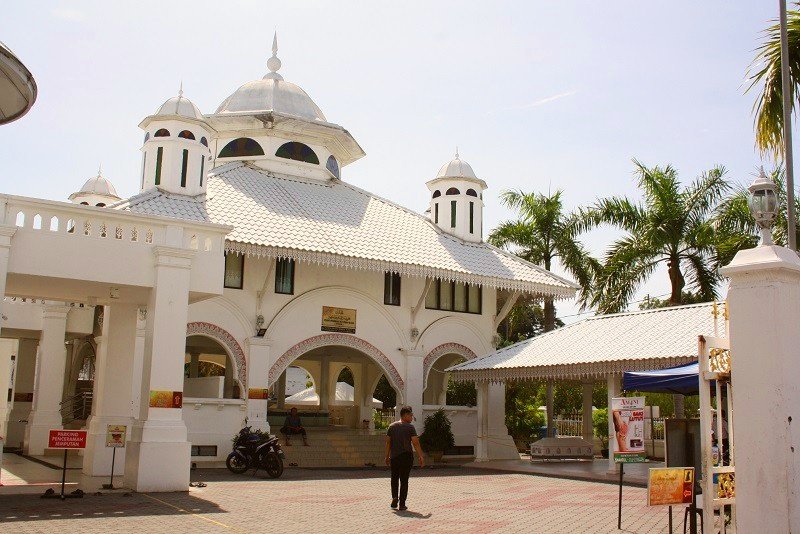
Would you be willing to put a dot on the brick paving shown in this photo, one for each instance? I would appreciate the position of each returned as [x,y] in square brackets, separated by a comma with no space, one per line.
[448,500]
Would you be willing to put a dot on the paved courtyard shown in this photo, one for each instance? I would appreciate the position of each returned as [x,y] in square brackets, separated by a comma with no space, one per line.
[454,500]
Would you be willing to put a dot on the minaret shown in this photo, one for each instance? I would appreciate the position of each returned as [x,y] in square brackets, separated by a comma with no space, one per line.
[175,153]
[457,200]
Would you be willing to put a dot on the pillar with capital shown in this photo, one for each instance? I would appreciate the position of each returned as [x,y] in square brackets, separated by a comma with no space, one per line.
[158,455]
[112,393]
[51,364]
[764,307]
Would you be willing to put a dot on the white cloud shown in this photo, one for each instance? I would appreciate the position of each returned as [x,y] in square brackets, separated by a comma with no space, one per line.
[71,15]
[547,100]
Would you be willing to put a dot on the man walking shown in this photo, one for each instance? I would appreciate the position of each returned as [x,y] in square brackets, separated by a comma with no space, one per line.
[401,440]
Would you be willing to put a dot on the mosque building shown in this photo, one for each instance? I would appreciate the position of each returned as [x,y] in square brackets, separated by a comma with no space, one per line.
[246,257]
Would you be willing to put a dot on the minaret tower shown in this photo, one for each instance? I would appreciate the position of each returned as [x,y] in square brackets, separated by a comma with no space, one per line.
[457,200]
[175,154]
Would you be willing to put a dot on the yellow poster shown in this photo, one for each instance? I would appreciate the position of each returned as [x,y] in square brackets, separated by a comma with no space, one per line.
[338,320]
[166,399]
[670,486]
[257,393]
[115,435]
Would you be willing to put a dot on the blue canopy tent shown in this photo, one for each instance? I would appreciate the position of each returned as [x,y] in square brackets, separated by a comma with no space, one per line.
[684,379]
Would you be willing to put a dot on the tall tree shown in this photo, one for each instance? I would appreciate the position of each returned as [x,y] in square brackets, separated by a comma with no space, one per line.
[543,233]
[673,225]
[765,76]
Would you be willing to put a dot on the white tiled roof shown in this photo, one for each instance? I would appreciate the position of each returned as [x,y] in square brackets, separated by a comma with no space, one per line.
[341,225]
[643,340]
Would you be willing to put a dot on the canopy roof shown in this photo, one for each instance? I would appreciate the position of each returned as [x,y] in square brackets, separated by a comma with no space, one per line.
[599,346]
[17,87]
[684,379]
[340,225]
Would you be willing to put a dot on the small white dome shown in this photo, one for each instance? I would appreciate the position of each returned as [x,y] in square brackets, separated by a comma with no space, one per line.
[97,185]
[180,105]
[456,168]
[272,93]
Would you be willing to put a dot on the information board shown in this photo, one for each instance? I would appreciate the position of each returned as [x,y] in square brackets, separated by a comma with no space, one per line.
[628,439]
[338,320]
[115,435]
[66,439]
[670,486]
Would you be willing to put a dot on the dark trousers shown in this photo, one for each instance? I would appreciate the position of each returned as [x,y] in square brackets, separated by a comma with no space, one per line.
[401,469]
[286,431]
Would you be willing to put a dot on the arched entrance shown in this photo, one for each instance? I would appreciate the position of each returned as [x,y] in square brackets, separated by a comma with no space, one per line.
[345,371]
[214,364]
[436,379]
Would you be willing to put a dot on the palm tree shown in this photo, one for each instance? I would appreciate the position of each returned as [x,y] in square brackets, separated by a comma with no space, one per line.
[735,224]
[765,74]
[673,225]
[542,234]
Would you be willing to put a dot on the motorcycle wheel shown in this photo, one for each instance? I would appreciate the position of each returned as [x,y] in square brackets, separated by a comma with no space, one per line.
[236,463]
[273,465]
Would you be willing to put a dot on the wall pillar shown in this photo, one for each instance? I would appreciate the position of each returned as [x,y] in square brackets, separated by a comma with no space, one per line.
[412,395]
[324,383]
[194,364]
[482,442]
[587,431]
[112,402]
[549,406]
[9,348]
[49,383]
[614,389]
[6,233]
[764,306]
[501,445]
[280,390]
[23,392]
[158,455]
[258,363]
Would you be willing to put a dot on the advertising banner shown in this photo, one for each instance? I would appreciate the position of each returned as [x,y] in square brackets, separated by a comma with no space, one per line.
[166,399]
[670,486]
[115,435]
[628,439]
[258,393]
[67,439]
[338,320]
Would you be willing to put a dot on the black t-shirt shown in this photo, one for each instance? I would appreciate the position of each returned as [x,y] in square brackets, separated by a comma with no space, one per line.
[400,435]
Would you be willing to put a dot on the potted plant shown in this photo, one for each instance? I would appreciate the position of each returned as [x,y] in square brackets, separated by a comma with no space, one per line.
[600,423]
[437,437]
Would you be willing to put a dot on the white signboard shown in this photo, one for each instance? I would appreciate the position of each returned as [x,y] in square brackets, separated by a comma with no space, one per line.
[628,439]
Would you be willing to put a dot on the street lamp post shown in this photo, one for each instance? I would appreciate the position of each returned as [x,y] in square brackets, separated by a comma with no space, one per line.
[791,218]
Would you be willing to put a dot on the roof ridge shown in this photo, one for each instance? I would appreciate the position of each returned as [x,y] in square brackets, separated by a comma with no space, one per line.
[651,310]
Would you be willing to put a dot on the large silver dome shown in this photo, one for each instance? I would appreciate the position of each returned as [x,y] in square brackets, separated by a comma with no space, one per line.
[272,93]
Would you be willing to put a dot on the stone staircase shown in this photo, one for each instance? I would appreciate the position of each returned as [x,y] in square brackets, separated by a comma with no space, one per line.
[337,447]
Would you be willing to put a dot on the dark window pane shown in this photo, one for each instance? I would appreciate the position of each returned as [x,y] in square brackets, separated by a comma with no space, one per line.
[431,299]
[474,294]
[333,166]
[159,156]
[391,289]
[184,166]
[241,148]
[234,271]
[472,193]
[460,298]
[186,134]
[163,132]
[204,141]
[446,295]
[298,152]
[436,213]
[453,191]
[437,194]
[202,169]
[452,214]
[284,276]
[472,217]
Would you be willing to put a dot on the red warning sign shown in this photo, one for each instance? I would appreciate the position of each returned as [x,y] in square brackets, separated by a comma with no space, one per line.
[67,439]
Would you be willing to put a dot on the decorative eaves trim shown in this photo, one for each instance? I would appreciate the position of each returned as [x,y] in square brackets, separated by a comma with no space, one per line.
[404,269]
[597,370]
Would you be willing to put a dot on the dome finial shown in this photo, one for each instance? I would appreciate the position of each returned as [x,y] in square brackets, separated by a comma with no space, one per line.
[180,90]
[457,152]
[273,63]
[100,170]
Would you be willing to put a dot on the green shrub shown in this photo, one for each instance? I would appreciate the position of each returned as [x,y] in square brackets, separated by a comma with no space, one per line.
[600,423]
[378,420]
[438,434]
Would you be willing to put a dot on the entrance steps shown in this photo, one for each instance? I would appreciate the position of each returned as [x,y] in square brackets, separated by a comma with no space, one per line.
[337,447]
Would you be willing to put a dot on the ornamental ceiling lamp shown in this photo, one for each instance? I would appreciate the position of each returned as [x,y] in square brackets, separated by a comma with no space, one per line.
[764,205]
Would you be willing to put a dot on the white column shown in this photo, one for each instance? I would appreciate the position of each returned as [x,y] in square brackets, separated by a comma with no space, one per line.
[6,233]
[8,362]
[23,392]
[280,391]
[363,396]
[614,388]
[588,429]
[112,391]
[764,304]
[49,383]
[324,383]
[413,387]
[138,363]
[549,407]
[482,442]
[158,455]
[258,363]
[501,445]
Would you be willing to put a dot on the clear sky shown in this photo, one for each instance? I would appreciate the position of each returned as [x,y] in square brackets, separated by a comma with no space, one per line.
[537,95]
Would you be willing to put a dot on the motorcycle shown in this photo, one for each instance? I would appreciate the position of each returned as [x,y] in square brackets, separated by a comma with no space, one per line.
[256,450]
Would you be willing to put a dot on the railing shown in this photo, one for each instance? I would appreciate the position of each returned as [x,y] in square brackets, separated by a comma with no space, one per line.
[76,407]
[572,425]
[77,221]
[386,416]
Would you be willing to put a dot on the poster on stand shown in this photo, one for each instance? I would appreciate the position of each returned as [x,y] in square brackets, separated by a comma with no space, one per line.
[628,439]
[670,486]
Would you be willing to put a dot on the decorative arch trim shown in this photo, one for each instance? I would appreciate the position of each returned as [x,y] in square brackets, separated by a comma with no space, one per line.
[341,340]
[224,338]
[441,350]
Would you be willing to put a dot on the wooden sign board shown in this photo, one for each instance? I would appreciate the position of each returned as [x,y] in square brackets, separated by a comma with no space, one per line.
[670,486]
[341,320]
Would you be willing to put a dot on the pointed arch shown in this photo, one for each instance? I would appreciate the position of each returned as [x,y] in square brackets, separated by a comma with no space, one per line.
[441,350]
[340,340]
[224,338]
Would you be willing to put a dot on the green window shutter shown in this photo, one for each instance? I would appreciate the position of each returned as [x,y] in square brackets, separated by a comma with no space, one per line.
[159,157]
[452,214]
[184,165]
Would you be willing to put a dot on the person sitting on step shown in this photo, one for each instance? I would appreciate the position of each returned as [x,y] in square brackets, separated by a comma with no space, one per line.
[293,426]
